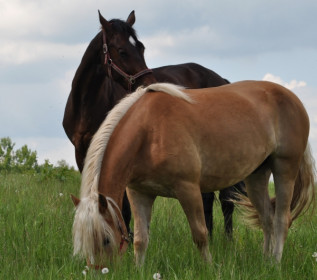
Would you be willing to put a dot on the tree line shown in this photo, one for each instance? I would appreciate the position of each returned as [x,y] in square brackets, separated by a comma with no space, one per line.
[24,160]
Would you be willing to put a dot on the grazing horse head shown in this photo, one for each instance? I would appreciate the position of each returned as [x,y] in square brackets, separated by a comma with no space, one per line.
[124,53]
[99,232]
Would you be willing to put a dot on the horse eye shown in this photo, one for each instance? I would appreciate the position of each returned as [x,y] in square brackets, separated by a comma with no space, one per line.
[122,53]
[106,242]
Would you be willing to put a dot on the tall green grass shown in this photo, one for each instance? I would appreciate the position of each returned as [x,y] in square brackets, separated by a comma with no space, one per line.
[36,218]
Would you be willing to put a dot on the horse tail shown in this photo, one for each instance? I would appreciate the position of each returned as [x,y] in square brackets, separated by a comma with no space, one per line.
[303,194]
[304,190]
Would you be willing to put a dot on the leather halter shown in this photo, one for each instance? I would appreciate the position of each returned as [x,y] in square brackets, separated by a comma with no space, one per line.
[110,64]
[124,238]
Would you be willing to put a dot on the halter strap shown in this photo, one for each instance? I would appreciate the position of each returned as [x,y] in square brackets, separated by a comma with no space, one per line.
[124,238]
[110,64]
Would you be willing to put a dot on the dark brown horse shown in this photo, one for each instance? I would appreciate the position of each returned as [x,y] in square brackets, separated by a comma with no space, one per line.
[104,77]
[166,141]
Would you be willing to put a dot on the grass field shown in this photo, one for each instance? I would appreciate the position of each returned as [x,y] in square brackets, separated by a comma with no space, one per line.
[36,218]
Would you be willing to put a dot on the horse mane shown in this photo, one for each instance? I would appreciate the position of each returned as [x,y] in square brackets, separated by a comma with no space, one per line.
[89,56]
[90,228]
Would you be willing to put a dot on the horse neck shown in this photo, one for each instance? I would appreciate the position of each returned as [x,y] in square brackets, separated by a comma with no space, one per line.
[118,163]
[89,90]
[85,92]
[109,159]
[113,180]
[93,92]
[90,102]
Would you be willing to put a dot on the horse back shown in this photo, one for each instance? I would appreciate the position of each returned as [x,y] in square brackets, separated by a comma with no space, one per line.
[222,137]
[190,75]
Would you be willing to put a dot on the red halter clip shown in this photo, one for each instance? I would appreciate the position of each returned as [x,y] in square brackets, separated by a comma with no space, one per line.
[123,237]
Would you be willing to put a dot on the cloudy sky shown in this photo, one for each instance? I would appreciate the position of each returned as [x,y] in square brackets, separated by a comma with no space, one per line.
[42,43]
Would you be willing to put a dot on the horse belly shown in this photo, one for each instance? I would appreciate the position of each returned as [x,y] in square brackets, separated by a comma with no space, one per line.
[154,187]
[226,162]
[165,165]
[229,153]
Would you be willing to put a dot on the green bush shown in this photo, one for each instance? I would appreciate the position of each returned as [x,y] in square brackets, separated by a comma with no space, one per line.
[24,160]
[6,154]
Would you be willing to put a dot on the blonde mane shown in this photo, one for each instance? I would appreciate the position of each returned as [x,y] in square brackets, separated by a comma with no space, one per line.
[90,228]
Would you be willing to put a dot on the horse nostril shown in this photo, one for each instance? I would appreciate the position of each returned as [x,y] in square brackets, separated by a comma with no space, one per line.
[106,242]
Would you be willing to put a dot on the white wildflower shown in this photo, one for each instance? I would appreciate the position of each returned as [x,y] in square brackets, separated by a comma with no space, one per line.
[157,276]
[105,270]
[61,194]
[85,270]
[314,255]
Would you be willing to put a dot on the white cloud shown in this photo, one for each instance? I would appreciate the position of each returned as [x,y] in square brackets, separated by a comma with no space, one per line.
[293,84]
[184,45]
[31,18]
[66,20]
[18,16]
[64,84]
[20,52]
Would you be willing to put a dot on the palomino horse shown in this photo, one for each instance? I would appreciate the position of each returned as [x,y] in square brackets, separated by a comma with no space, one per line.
[178,143]
[99,84]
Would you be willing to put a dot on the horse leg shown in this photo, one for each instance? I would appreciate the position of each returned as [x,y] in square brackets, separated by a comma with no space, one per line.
[208,201]
[226,196]
[227,208]
[284,179]
[141,206]
[257,189]
[190,198]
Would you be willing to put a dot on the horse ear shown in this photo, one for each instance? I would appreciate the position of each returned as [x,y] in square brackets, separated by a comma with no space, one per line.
[103,204]
[75,200]
[106,25]
[131,18]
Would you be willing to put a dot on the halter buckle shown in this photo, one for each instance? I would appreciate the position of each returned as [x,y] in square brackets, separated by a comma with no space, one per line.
[131,80]
[105,48]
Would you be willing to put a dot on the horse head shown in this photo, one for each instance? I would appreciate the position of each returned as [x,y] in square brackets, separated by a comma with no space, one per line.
[99,231]
[124,53]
